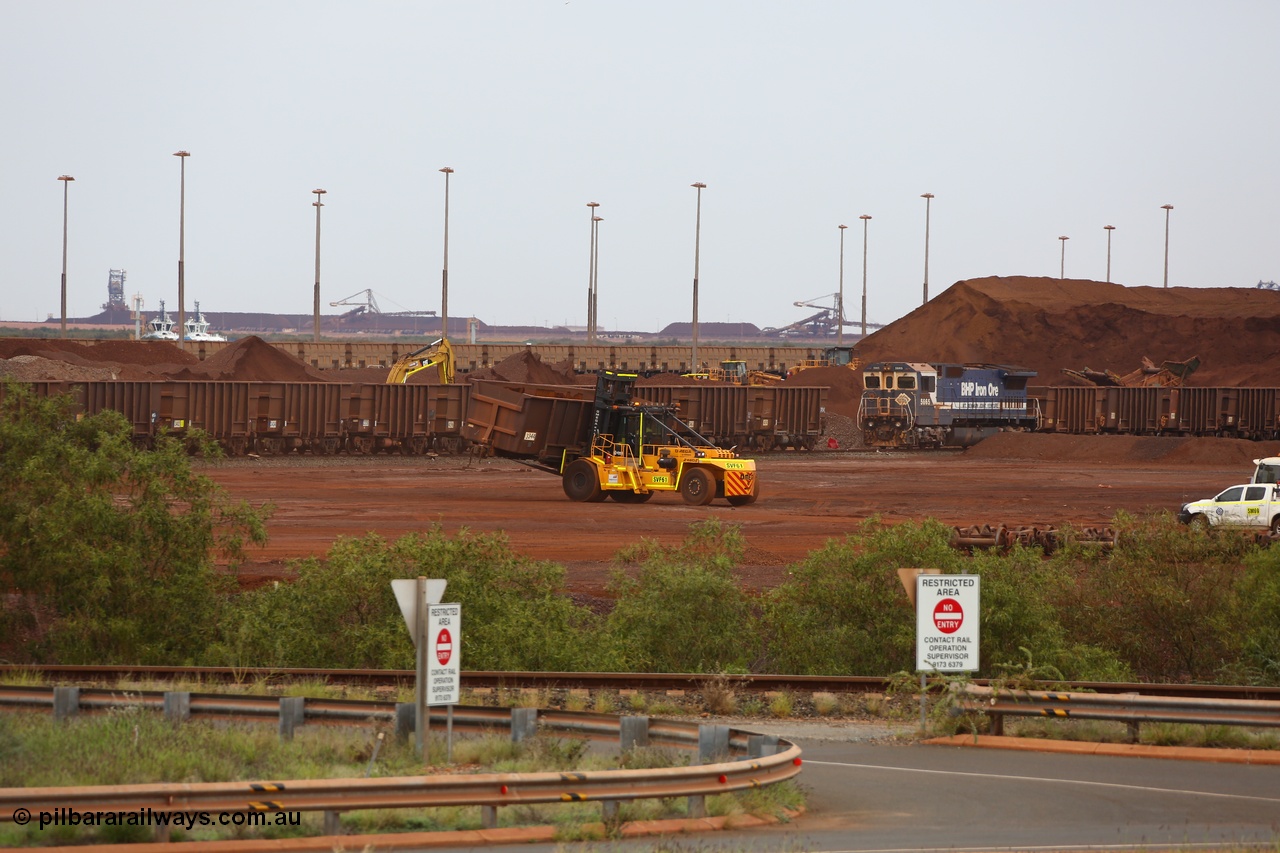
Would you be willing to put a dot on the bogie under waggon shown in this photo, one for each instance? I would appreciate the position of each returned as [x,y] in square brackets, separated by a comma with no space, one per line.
[915,405]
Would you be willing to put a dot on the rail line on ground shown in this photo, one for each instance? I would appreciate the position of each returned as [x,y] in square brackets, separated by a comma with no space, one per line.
[612,681]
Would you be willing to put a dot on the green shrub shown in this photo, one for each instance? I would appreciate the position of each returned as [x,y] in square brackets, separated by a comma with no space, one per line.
[110,546]
[1165,600]
[844,612]
[685,610]
[341,612]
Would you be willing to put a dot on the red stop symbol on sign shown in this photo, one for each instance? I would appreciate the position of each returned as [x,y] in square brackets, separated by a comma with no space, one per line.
[948,615]
[444,646]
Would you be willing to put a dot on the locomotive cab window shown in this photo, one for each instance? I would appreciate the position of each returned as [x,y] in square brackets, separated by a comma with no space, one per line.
[872,381]
[906,383]
[928,384]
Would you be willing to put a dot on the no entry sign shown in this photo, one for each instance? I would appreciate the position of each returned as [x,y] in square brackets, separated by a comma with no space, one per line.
[444,658]
[947,608]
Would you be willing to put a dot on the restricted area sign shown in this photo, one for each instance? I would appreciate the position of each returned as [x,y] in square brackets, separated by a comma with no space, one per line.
[947,608]
[444,656]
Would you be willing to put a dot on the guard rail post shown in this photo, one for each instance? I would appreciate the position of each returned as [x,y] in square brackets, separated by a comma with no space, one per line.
[758,746]
[332,823]
[489,817]
[633,733]
[177,706]
[292,715]
[405,712]
[713,743]
[66,702]
[524,723]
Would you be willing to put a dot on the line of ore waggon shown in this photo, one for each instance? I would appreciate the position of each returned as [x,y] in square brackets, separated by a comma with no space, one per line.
[903,406]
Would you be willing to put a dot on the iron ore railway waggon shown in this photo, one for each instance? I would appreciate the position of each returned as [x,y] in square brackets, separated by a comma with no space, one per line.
[322,418]
[914,405]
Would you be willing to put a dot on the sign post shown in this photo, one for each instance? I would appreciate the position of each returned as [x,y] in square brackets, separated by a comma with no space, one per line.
[415,597]
[948,611]
[444,662]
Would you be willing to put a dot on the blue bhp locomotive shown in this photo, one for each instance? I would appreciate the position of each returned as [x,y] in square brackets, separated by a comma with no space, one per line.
[913,405]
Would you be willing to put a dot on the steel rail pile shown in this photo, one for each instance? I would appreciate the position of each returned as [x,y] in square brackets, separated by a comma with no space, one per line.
[1131,709]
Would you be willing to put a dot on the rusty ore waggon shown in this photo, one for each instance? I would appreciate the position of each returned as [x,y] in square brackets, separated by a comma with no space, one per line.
[272,418]
[1250,413]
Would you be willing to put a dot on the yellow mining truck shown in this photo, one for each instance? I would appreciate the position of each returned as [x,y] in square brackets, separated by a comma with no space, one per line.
[602,445]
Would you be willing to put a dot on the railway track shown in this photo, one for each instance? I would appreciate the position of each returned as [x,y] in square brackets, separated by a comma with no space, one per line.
[609,681]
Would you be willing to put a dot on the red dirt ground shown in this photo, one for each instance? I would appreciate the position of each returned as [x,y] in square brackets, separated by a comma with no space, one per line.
[807,498]
[1040,323]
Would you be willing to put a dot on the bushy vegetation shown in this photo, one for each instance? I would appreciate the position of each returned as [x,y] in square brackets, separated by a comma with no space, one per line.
[341,612]
[108,554]
[110,546]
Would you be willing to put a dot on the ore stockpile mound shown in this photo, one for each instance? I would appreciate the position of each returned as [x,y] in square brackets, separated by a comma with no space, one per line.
[252,359]
[1048,324]
[247,360]
[527,367]
[1122,449]
[56,360]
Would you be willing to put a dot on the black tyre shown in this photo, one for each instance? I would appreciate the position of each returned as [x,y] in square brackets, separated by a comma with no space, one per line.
[698,487]
[581,483]
[1198,522]
[1275,526]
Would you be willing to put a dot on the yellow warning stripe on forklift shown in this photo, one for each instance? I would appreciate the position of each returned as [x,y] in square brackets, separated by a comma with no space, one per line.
[738,483]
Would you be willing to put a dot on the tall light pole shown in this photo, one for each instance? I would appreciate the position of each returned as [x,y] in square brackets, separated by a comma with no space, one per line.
[66,182]
[865,220]
[1062,268]
[182,246]
[697,243]
[595,278]
[591,275]
[1166,208]
[317,204]
[444,274]
[840,298]
[928,200]
[1109,229]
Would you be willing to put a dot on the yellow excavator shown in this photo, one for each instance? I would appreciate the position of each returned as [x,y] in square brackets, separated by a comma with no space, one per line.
[438,355]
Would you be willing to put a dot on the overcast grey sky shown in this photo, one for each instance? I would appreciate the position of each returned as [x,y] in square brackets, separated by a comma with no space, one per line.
[1026,120]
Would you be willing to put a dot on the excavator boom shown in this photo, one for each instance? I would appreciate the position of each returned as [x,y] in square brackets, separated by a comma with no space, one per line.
[438,355]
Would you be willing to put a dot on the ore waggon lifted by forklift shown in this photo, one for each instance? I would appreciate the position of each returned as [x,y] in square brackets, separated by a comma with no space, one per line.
[603,445]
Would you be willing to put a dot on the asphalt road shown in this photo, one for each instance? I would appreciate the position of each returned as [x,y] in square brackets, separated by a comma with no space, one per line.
[876,798]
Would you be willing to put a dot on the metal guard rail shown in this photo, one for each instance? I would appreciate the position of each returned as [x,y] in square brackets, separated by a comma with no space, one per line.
[489,791]
[471,719]
[1131,709]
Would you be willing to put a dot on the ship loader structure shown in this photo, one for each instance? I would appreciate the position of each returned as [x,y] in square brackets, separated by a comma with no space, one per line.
[602,444]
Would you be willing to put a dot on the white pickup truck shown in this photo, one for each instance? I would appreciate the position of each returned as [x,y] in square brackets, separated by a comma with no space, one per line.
[1248,505]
